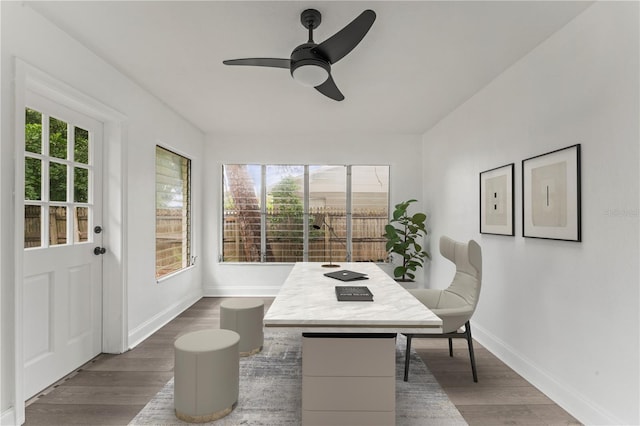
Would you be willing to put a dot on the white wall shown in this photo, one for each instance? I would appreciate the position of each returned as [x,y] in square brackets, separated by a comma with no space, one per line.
[266,279]
[563,314]
[26,35]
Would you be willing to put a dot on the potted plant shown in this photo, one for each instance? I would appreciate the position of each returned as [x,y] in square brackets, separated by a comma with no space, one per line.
[403,234]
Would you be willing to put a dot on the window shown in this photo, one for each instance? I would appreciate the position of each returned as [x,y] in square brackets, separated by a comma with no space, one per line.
[291,213]
[285,213]
[173,212]
[57,172]
[369,211]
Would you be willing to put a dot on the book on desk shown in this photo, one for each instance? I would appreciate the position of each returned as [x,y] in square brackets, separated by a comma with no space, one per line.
[353,294]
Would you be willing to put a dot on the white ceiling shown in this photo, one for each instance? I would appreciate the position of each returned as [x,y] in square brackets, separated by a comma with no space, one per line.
[419,61]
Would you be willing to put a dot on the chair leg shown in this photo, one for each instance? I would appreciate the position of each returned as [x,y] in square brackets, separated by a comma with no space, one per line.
[407,357]
[450,347]
[467,327]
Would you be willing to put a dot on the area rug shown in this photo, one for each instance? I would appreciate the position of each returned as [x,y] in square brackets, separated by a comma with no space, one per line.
[420,401]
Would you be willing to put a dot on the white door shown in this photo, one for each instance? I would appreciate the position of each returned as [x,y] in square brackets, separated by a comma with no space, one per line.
[62,293]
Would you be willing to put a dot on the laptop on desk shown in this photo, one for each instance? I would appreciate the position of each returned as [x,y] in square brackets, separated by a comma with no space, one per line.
[346,275]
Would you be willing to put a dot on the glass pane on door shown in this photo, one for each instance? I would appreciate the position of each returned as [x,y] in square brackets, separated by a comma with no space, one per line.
[81,146]
[32,179]
[57,182]
[57,138]
[33,131]
[81,225]
[80,185]
[57,225]
[32,226]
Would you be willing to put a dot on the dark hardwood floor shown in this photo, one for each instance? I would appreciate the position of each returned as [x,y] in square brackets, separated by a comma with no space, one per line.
[112,389]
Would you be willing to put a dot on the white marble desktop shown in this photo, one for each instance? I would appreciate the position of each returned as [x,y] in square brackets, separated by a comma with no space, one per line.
[307,302]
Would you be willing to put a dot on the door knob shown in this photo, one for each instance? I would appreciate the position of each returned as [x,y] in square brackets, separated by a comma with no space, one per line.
[99,250]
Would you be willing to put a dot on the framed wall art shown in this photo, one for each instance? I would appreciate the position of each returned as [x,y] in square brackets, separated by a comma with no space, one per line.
[496,201]
[551,195]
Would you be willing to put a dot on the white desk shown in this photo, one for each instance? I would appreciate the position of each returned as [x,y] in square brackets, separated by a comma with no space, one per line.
[348,348]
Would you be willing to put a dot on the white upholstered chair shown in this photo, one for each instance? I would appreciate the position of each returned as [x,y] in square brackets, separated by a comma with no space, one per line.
[454,305]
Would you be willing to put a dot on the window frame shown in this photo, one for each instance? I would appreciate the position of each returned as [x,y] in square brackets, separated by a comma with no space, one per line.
[262,193]
[190,249]
[74,121]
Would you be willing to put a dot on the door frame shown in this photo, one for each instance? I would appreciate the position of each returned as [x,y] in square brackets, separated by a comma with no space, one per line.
[114,280]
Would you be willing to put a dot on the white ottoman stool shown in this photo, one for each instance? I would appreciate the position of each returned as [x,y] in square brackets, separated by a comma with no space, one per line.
[207,375]
[244,316]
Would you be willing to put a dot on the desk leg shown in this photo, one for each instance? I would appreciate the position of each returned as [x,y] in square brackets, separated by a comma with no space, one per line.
[348,378]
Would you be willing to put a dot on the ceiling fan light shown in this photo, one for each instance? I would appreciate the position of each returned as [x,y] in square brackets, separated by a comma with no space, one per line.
[310,75]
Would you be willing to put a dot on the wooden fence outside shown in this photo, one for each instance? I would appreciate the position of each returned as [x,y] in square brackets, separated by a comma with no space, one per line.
[286,245]
[57,225]
[171,254]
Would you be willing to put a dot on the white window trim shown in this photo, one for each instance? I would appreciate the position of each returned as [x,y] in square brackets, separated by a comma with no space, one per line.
[193,256]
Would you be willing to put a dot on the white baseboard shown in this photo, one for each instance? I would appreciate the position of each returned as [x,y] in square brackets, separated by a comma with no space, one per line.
[146,329]
[241,291]
[572,400]
[8,417]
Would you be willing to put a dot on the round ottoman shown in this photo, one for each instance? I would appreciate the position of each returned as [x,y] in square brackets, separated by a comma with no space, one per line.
[207,375]
[244,316]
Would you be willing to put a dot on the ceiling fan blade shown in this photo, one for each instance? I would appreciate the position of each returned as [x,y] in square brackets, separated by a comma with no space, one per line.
[343,42]
[329,89]
[260,62]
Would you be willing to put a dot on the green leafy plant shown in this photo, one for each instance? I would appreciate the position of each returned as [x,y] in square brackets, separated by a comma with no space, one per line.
[403,234]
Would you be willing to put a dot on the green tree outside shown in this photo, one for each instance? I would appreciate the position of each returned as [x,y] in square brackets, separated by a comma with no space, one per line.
[57,148]
[288,211]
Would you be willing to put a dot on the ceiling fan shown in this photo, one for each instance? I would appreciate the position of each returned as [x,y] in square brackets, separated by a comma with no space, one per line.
[310,63]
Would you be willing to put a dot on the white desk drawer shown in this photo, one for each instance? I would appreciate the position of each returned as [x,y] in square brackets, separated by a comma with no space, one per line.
[359,356]
[348,393]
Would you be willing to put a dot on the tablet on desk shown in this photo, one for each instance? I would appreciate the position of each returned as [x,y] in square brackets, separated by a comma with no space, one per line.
[346,275]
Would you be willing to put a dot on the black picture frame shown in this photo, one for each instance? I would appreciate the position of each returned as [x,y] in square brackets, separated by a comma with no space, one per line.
[551,195]
[497,214]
